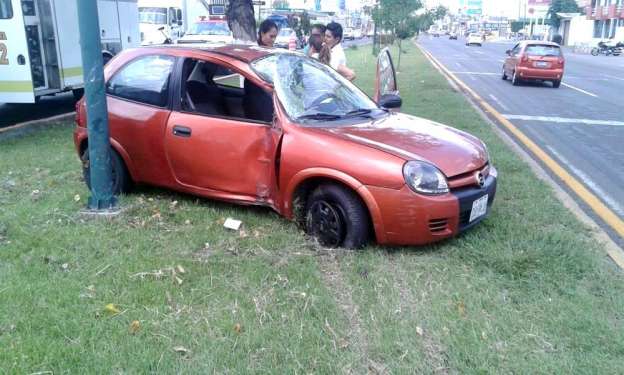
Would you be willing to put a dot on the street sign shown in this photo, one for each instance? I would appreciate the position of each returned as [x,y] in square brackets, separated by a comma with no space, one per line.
[258,3]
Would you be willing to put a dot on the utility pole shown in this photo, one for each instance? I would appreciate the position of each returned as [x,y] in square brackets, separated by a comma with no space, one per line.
[101,199]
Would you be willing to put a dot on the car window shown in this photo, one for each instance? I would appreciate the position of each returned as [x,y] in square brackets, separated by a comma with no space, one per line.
[6,10]
[143,80]
[542,50]
[215,90]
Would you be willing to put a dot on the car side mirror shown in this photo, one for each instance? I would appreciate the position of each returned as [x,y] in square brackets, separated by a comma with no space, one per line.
[390,101]
[508,52]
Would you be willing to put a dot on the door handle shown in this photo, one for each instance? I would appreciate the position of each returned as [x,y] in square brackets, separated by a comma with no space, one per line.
[181,131]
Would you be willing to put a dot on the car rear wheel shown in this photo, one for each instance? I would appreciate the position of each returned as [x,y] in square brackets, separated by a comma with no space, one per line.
[514,79]
[121,180]
[556,83]
[336,217]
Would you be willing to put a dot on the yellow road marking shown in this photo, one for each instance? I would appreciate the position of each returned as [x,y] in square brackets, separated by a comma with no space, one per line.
[588,197]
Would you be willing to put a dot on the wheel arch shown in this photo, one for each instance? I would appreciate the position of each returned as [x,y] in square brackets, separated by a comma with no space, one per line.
[304,182]
[120,150]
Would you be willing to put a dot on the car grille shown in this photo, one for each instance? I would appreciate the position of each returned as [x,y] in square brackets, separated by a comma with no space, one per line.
[438,225]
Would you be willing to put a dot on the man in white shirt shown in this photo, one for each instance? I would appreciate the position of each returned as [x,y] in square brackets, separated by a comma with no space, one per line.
[338,60]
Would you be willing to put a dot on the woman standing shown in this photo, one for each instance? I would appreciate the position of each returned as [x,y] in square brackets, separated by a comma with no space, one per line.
[267,33]
[318,50]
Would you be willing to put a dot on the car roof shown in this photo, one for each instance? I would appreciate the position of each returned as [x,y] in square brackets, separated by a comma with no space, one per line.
[242,52]
[540,42]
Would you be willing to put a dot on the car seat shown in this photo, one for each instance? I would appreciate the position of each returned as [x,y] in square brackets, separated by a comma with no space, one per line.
[203,92]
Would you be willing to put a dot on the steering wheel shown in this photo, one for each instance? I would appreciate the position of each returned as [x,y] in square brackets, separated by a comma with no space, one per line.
[322,98]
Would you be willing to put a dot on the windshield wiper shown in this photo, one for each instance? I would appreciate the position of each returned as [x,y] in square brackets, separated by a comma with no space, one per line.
[319,116]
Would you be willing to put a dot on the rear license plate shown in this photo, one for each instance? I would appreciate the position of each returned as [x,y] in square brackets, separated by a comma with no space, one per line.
[479,208]
[542,64]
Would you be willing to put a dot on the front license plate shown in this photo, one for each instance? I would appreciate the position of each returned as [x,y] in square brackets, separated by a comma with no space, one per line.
[479,208]
[542,64]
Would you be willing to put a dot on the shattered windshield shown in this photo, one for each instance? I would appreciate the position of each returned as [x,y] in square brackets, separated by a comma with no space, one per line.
[156,16]
[311,91]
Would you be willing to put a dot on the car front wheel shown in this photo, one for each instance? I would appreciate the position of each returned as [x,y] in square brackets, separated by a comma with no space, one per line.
[556,83]
[121,181]
[336,217]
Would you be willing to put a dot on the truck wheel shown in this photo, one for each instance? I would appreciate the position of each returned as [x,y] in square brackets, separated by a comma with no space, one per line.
[336,217]
[121,180]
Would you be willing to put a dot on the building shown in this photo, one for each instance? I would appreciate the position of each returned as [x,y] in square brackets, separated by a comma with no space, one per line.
[607,17]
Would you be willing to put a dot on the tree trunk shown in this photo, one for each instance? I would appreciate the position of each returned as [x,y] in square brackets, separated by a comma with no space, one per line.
[241,19]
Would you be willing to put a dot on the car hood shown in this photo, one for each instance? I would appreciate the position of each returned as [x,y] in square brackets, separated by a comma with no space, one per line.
[412,138]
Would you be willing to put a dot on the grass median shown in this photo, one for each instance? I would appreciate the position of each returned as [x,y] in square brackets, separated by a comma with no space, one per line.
[528,290]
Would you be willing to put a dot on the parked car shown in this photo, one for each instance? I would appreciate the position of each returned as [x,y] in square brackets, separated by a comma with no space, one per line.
[348,33]
[453,35]
[534,60]
[474,39]
[284,37]
[275,128]
[208,31]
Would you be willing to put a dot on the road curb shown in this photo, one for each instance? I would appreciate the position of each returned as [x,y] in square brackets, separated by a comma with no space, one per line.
[611,219]
[29,125]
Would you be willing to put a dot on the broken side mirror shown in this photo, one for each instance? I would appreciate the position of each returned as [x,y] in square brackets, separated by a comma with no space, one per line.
[508,52]
[390,101]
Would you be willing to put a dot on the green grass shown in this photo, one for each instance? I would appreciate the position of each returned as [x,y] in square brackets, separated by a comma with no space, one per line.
[527,291]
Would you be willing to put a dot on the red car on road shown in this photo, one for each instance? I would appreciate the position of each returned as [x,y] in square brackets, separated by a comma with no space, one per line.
[534,60]
[275,128]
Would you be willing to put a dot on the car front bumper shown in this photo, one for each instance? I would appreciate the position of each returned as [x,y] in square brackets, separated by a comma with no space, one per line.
[407,218]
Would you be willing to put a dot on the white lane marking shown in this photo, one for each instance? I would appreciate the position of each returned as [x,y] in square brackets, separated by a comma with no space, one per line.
[579,90]
[613,77]
[564,120]
[590,183]
[480,53]
[478,73]
[501,104]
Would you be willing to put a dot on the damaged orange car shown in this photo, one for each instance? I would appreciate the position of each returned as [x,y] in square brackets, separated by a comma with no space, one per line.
[269,127]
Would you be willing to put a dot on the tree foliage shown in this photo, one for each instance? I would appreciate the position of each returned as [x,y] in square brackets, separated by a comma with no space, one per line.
[561,6]
[241,19]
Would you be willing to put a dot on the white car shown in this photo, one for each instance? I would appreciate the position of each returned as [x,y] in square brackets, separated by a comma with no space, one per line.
[211,32]
[348,34]
[284,37]
[474,39]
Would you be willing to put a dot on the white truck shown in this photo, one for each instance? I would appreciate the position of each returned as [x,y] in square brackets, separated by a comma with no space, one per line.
[160,20]
[40,44]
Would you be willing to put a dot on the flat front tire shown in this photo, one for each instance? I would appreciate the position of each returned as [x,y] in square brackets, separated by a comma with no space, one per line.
[121,180]
[336,217]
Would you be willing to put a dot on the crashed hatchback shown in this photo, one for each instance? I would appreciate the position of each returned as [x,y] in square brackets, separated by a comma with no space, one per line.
[266,127]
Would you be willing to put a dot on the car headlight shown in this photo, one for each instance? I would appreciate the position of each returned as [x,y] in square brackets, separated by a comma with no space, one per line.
[425,178]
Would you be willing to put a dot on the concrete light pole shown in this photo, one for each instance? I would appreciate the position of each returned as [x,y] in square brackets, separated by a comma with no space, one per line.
[101,199]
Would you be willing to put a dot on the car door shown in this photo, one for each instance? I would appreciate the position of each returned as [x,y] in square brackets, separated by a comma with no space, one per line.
[138,100]
[385,79]
[16,84]
[221,154]
[512,60]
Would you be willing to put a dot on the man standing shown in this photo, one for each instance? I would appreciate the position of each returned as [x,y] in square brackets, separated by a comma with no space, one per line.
[317,29]
[338,60]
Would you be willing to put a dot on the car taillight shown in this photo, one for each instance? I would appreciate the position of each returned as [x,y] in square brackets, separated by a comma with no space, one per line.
[560,61]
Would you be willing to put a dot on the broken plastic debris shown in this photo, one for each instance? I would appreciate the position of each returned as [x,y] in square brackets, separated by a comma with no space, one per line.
[232,224]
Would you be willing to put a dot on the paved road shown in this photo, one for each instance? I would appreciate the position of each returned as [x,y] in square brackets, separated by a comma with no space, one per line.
[11,114]
[580,125]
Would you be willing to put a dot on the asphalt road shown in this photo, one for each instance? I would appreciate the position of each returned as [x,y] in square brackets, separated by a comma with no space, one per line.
[11,114]
[580,125]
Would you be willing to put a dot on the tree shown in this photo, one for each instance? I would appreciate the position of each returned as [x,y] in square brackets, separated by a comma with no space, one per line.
[398,17]
[241,19]
[561,6]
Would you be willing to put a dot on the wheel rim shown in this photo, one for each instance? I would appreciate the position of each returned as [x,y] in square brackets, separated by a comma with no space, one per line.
[326,223]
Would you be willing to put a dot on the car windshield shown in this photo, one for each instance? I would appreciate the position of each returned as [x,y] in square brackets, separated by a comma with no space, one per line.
[311,92]
[157,16]
[209,28]
[542,50]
